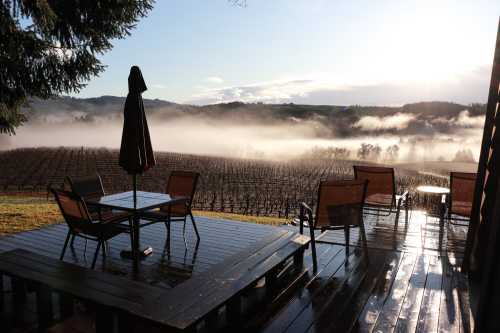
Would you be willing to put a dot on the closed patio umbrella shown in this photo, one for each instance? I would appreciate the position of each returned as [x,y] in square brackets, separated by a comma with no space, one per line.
[136,152]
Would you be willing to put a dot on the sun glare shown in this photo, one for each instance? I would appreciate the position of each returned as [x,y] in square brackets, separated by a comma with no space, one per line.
[423,48]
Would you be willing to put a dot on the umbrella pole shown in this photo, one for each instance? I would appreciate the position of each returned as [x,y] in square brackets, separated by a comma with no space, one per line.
[135,190]
[136,243]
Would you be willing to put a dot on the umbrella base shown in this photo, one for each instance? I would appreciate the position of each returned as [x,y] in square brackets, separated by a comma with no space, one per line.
[128,254]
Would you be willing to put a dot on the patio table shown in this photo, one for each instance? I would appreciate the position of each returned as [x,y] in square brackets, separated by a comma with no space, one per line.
[144,201]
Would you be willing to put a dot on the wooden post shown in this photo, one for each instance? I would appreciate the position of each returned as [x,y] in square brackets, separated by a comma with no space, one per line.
[489,293]
[104,320]
[2,300]
[233,310]
[483,237]
[125,323]
[476,235]
[271,280]
[44,307]
[65,305]
[212,320]
[18,296]
[298,258]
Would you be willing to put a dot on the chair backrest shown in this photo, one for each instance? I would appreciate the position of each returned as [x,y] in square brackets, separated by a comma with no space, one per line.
[73,209]
[340,202]
[381,188]
[462,185]
[182,184]
[87,187]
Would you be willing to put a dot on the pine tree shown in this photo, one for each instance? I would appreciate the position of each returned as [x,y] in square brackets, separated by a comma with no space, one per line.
[50,47]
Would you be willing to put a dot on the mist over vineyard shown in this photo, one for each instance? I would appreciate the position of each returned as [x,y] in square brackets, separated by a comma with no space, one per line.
[414,132]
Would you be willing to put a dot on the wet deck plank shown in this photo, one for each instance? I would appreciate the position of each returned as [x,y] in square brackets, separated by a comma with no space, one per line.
[408,284]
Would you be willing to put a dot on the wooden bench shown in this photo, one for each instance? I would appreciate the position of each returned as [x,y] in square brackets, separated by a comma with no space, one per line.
[200,297]
[178,309]
[107,292]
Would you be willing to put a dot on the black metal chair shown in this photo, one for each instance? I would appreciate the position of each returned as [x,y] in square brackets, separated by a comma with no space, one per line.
[381,194]
[340,206]
[180,184]
[80,223]
[90,187]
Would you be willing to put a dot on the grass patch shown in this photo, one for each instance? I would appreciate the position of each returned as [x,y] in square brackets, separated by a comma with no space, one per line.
[22,213]
[243,218]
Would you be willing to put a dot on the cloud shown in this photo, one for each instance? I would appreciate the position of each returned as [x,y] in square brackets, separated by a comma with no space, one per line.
[398,121]
[273,92]
[214,79]
[470,87]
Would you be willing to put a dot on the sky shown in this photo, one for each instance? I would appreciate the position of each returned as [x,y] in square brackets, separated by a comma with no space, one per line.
[308,51]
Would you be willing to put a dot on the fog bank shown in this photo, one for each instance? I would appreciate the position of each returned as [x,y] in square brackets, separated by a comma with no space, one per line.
[412,132]
[245,141]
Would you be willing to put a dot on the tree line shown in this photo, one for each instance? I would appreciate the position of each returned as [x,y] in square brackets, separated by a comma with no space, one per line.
[375,153]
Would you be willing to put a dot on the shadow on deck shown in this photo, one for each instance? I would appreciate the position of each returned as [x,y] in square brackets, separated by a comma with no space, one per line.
[407,284]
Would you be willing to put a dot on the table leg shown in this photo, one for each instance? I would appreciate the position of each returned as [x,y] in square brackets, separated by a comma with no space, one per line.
[441,230]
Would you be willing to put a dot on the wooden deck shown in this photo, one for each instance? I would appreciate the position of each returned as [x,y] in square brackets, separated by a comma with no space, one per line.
[407,284]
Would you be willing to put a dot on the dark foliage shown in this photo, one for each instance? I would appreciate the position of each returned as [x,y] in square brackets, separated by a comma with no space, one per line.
[50,47]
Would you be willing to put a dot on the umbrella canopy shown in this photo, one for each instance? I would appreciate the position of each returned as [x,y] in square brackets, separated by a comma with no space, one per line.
[136,152]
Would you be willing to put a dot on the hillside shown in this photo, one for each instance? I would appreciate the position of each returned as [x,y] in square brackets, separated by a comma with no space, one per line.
[327,121]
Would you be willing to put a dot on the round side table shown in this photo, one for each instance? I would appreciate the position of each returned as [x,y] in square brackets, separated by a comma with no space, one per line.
[438,192]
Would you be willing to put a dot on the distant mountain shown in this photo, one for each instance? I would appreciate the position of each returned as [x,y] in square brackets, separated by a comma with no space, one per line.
[280,111]
[104,103]
[114,100]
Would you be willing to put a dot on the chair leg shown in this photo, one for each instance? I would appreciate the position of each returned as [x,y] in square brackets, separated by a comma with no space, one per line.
[168,224]
[65,245]
[166,248]
[72,241]
[396,220]
[85,249]
[104,248]
[363,237]
[96,254]
[406,210]
[194,225]
[313,248]
[346,234]
[184,233]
